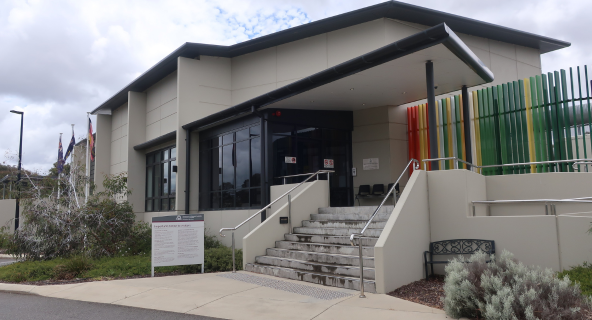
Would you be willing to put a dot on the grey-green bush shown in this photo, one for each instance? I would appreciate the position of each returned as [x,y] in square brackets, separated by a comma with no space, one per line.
[506,289]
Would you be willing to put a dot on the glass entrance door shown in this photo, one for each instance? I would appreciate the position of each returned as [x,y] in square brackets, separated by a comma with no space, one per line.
[300,150]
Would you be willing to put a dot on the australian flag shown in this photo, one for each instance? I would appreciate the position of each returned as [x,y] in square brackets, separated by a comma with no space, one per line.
[70,147]
[60,157]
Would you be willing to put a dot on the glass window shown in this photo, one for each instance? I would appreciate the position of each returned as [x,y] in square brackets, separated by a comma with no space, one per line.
[161,181]
[230,170]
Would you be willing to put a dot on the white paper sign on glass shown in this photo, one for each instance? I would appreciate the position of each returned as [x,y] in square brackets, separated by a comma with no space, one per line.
[177,240]
[290,159]
[370,164]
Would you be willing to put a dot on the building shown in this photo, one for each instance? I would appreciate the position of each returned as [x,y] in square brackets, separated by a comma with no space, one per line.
[216,129]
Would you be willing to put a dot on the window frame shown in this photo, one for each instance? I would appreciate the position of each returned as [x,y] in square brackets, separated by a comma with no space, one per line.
[157,200]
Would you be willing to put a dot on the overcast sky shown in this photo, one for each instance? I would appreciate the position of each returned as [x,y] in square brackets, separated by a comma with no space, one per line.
[60,59]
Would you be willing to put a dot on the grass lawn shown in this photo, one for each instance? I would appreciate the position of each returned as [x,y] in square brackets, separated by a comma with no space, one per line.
[216,259]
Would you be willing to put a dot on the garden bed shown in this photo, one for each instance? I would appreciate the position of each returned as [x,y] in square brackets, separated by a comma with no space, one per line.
[427,292]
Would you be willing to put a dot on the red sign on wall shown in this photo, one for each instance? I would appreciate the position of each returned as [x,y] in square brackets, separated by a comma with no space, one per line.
[329,164]
[290,159]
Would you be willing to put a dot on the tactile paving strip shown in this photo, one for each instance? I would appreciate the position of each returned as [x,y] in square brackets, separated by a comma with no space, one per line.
[304,290]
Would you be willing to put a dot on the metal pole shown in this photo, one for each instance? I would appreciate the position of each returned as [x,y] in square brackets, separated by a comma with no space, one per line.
[433,127]
[233,263]
[361,270]
[18,177]
[89,135]
[290,214]
[328,188]
[467,125]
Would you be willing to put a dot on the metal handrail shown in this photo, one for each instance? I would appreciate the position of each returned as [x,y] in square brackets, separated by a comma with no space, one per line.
[301,175]
[548,202]
[586,163]
[359,235]
[265,208]
[456,160]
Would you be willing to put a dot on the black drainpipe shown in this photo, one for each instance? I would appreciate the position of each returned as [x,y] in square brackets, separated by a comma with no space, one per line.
[187,166]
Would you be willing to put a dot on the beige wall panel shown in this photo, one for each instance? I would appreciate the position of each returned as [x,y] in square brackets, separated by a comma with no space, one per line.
[136,134]
[216,72]
[103,150]
[153,99]
[372,149]
[417,26]
[116,152]
[397,114]
[254,69]
[194,172]
[242,95]
[124,148]
[7,209]
[406,234]
[302,58]
[503,68]
[116,134]
[526,70]
[348,43]
[379,131]
[504,49]
[399,159]
[529,56]
[371,116]
[152,116]
[215,96]
[398,131]
[168,108]
[169,90]
[153,131]
[168,124]
[396,30]
[474,42]
[575,240]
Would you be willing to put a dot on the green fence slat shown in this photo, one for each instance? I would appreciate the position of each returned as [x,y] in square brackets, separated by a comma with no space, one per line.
[494,105]
[552,137]
[459,140]
[575,120]
[560,122]
[445,122]
[516,123]
[508,124]
[488,132]
[555,115]
[588,99]
[524,126]
[502,125]
[535,122]
[542,123]
[566,120]
[582,116]
[483,132]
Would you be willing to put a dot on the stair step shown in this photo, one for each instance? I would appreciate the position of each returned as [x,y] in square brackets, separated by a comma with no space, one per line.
[364,210]
[343,224]
[337,231]
[348,216]
[326,258]
[310,266]
[315,238]
[312,277]
[325,248]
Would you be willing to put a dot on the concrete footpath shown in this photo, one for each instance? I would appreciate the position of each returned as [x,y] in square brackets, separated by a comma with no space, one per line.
[242,295]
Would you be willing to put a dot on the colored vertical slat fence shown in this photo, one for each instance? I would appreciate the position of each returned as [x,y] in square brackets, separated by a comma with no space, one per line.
[529,120]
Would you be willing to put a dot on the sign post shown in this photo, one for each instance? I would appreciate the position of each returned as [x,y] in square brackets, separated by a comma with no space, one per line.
[178,240]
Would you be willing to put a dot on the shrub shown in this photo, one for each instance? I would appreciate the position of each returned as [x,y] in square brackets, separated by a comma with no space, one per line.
[72,268]
[507,289]
[4,238]
[212,242]
[582,275]
[220,259]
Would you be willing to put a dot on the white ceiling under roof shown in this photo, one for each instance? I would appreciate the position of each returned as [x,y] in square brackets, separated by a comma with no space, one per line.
[395,83]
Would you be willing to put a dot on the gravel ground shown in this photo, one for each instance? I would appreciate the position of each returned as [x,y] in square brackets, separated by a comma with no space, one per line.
[429,293]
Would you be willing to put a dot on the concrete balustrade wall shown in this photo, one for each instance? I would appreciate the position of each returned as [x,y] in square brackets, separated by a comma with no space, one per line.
[7,208]
[306,200]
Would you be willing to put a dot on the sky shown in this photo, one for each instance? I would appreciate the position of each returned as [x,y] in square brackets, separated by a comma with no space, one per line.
[61,59]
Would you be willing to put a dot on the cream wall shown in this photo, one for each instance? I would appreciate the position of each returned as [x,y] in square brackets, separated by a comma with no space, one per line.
[7,209]
[102,150]
[119,145]
[161,107]
[136,171]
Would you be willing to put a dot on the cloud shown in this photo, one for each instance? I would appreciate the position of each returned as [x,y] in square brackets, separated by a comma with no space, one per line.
[62,58]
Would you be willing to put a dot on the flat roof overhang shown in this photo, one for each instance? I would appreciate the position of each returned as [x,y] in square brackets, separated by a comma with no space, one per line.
[391,75]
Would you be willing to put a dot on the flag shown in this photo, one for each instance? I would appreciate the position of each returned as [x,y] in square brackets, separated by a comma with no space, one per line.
[60,164]
[91,141]
[70,146]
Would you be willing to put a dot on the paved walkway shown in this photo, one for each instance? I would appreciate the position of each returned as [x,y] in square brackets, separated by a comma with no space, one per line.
[242,295]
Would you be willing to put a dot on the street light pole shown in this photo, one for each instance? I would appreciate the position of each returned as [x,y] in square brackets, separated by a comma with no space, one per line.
[18,177]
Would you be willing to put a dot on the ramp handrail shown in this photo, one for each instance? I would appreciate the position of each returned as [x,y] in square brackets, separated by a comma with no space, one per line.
[548,203]
[359,235]
[265,208]
[457,160]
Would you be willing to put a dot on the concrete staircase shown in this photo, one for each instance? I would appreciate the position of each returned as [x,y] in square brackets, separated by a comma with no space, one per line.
[320,252]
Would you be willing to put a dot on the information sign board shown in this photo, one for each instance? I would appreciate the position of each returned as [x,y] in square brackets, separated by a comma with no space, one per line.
[177,240]
[290,159]
[370,164]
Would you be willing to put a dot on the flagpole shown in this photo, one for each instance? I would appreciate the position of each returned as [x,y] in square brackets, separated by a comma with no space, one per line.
[86,187]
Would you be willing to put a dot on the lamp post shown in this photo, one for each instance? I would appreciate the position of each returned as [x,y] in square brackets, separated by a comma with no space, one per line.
[18,177]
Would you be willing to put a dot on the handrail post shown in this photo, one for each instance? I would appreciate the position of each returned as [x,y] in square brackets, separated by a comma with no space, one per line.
[290,214]
[328,188]
[233,262]
[361,268]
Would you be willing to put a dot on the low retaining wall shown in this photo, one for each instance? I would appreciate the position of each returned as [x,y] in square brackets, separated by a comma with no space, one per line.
[7,208]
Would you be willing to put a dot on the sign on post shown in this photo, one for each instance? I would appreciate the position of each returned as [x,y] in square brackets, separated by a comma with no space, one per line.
[178,240]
